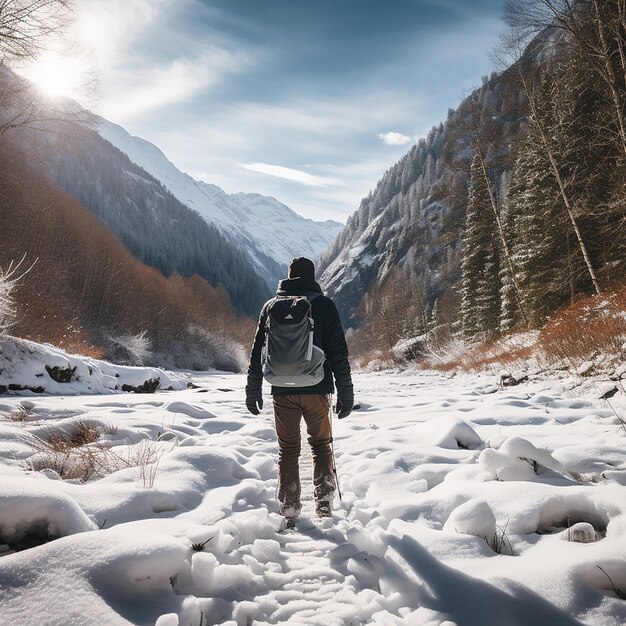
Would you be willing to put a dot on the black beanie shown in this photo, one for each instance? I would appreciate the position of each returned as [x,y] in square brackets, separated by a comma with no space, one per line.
[301,268]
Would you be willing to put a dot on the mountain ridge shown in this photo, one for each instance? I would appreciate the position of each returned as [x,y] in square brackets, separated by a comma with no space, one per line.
[265,226]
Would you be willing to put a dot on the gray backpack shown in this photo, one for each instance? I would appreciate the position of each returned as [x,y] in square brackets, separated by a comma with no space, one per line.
[289,357]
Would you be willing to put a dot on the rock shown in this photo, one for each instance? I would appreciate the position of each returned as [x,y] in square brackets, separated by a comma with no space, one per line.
[60,374]
[14,387]
[607,391]
[582,532]
[510,380]
[150,386]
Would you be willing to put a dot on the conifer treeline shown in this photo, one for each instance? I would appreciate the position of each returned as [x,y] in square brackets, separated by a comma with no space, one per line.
[514,207]
[564,213]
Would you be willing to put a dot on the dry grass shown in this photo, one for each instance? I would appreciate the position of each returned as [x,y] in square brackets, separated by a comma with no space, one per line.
[22,412]
[66,451]
[110,429]
[76,454]
[592,327]
[507,351]
[19,415]
[500,543]
[375,360]
[198,546]
[146,455]
[592,330]
[81,434]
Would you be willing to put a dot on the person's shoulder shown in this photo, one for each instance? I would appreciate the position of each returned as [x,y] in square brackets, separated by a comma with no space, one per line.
[266,305]
[323,302]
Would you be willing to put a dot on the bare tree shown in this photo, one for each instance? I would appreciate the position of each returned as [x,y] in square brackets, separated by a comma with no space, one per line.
[596,29]
[27,29]
[8,281]
[26,26]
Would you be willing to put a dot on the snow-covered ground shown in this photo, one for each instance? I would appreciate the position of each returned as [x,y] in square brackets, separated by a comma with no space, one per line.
[462,504]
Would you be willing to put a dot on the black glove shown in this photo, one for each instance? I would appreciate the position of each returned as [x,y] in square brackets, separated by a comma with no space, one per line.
[345,402]
[254,399]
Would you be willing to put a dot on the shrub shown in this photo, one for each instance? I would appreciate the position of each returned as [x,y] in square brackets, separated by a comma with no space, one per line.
[76,454]
[591,327]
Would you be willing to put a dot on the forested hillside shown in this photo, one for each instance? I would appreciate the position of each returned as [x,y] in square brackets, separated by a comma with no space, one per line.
[511,209]
[156,227]
[78,287]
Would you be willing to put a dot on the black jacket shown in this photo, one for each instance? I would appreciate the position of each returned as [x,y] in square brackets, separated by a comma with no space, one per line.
[328,335]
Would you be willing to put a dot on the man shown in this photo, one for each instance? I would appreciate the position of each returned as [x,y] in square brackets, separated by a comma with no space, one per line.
[311,401]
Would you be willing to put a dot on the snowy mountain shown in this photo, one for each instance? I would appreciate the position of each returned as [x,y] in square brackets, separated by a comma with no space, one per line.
[270,232]
[413,221]
[156,227]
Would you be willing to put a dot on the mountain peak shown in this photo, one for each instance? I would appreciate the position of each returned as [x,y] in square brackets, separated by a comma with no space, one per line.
[269,231]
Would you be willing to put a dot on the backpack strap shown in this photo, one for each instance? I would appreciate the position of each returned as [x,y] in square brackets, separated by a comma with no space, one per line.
[311,325]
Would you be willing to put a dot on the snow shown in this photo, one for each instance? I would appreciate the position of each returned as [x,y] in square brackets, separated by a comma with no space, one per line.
[25,506]
[463,504]
[261,224]
[473,517]
[24,363]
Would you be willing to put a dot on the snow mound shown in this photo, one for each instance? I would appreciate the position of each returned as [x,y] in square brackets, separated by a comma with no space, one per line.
[518,459]
[261,225]
[42,368]
[450,432]
[32,510]
[591,459]
[191,410]
[474,517]
[116,576]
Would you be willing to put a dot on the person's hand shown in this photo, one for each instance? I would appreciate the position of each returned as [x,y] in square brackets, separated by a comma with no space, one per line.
[254,400]
[345,402]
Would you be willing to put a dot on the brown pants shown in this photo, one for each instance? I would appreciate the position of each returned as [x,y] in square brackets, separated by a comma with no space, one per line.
[288,409]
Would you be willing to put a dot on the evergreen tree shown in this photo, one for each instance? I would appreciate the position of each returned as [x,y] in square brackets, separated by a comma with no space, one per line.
[480,265]
[543,250]
[510,315]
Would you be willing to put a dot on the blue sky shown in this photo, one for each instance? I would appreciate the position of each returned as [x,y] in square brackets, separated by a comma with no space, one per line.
[309,102]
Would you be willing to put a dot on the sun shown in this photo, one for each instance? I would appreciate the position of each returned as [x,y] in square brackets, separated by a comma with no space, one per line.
[57,75]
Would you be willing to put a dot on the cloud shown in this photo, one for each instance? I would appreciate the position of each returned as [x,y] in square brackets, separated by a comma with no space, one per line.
[146,58]
[290,174]
[109,29]
[172,83]
[261,101]
[392,138]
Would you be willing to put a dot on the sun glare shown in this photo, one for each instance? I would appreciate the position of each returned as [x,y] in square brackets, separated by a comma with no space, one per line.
[56,75]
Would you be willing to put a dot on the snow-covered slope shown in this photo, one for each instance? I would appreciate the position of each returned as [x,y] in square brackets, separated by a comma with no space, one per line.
[29,367]
[265,226]
[461,504]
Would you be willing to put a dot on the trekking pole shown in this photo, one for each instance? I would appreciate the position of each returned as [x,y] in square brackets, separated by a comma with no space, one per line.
[332,449]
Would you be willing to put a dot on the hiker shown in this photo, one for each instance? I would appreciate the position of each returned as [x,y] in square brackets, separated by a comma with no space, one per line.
[299,345]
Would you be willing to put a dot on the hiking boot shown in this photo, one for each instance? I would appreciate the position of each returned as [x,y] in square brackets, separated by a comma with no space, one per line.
[323,508]
[290,512]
